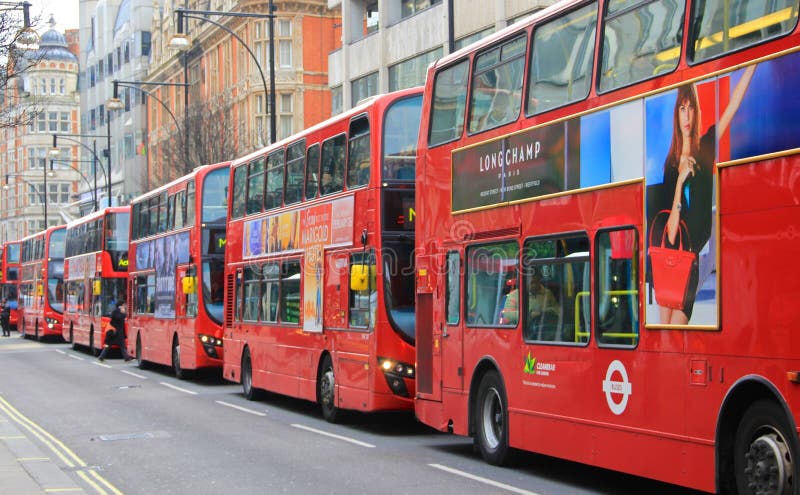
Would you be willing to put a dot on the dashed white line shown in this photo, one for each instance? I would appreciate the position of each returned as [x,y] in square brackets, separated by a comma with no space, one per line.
[179,389]
[60,351]
[137,375]
[332,435]
[240,408]
[76,357]
[104,365]
[485,481]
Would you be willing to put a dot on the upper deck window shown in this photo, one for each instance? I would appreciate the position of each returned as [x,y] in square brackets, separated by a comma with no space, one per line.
[561,60]
[722,26]
[496,93]
[333,153]
[400,130]
[215,196]
[239,188]
[255,186]
[449,102]
[275,165]
[312,172]
[641,40]
[359,156]
[295,155]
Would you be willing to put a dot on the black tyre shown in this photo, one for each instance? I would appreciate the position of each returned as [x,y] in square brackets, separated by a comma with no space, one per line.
[141,363]
[764,454]
[180,373]
[92,350]
[326,391]
[36,331]
[491,415]
[250,392]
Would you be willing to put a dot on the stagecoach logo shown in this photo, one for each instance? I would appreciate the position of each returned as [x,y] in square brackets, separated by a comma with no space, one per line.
[535,368]
[613,388]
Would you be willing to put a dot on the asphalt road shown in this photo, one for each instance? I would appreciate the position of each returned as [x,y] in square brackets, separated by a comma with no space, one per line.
[145,432]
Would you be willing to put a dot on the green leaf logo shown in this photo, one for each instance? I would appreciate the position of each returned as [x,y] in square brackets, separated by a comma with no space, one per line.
[530,365]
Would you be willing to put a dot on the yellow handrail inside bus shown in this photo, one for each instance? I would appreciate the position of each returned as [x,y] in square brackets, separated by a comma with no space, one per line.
[580,335]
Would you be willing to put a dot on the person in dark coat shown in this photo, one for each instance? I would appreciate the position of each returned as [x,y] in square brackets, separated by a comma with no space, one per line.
[5,318]
[117,337]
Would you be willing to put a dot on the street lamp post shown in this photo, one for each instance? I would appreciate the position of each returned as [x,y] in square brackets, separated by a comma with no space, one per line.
[86,180]
[42,194]
[180,41]
[55,152]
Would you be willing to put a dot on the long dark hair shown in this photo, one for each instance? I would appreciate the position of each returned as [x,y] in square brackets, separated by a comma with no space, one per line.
[686,94]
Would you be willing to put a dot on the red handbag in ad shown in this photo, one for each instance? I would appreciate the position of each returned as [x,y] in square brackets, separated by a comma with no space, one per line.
[671,266]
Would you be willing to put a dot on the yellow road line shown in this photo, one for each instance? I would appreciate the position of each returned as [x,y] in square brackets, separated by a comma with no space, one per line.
[67,456]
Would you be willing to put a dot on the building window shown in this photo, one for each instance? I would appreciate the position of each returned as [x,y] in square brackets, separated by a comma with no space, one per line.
[65,122]
[411,7]
[371,21]
[35,193]
[472,38]
[62,86]
[337,102]
[411,72]
[364,87]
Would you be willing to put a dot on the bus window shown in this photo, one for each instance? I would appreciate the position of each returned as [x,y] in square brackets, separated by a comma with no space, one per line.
[312,172]
[255,186]
[358,161]
[190,203]
[252,279]
[162,212]
[269,292]
[617,298]
[561,60]
[275,172]
[453,288]
[239,191]
[722,26]
[290,292]
[180,209]
[294,172]
[555,279]
[215,196]
[190,300]
[363,299]
[449,102]
[171,212]
[333,152]
[496,91]
[640,41]
[492,296]
[400,130]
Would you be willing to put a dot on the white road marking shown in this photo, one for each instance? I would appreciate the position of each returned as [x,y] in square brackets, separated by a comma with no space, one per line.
[485,481]
[179,389]
[76,357]
[332,435]
[137,375]
[240,408]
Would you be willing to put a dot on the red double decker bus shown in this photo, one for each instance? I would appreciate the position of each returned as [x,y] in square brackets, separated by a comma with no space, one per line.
[319,273]
[95,274]
[177,253]
[607,243]
[41,285]
[9,278]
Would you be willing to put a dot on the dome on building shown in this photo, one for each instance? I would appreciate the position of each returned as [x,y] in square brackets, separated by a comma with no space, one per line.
[53,45]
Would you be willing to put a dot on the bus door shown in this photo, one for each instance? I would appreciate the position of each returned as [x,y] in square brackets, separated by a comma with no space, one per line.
[439,345]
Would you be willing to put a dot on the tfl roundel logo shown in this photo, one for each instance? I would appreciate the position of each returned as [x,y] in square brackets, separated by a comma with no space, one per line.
[617,387]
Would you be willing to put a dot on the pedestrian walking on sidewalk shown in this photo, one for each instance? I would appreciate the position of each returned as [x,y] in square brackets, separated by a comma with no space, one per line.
[117,336]
[5,318]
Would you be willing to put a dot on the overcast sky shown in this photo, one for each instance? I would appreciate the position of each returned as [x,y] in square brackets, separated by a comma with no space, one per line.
[64,11]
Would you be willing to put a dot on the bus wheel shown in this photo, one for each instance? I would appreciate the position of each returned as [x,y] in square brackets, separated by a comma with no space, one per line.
[36,330]
[491,435]
[141,363]
[763,455]
[92,350]
[72,337]
[326,391]
[180,373]
[250,392]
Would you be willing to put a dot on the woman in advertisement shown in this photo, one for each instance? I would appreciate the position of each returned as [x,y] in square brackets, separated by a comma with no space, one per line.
[689,184]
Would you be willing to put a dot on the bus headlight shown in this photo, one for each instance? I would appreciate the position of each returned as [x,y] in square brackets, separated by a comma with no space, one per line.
[395,372]
[210,340]
[51,323]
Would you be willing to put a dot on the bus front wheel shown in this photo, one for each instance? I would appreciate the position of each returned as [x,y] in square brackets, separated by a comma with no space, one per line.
[326,391]
[180,373]
[250,392]
[140,362]
[491,434]
[763,454]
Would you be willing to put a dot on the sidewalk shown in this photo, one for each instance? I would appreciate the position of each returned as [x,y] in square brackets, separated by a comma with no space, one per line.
[26,466]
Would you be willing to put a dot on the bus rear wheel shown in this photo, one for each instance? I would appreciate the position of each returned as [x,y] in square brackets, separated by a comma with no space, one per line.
[764,453]
[326,391]
[250,392]
[491,434]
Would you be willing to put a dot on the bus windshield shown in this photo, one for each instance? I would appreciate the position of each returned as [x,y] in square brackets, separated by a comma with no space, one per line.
[13,253]
[215,196]
[57,244]
[117,232]
[400,139]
